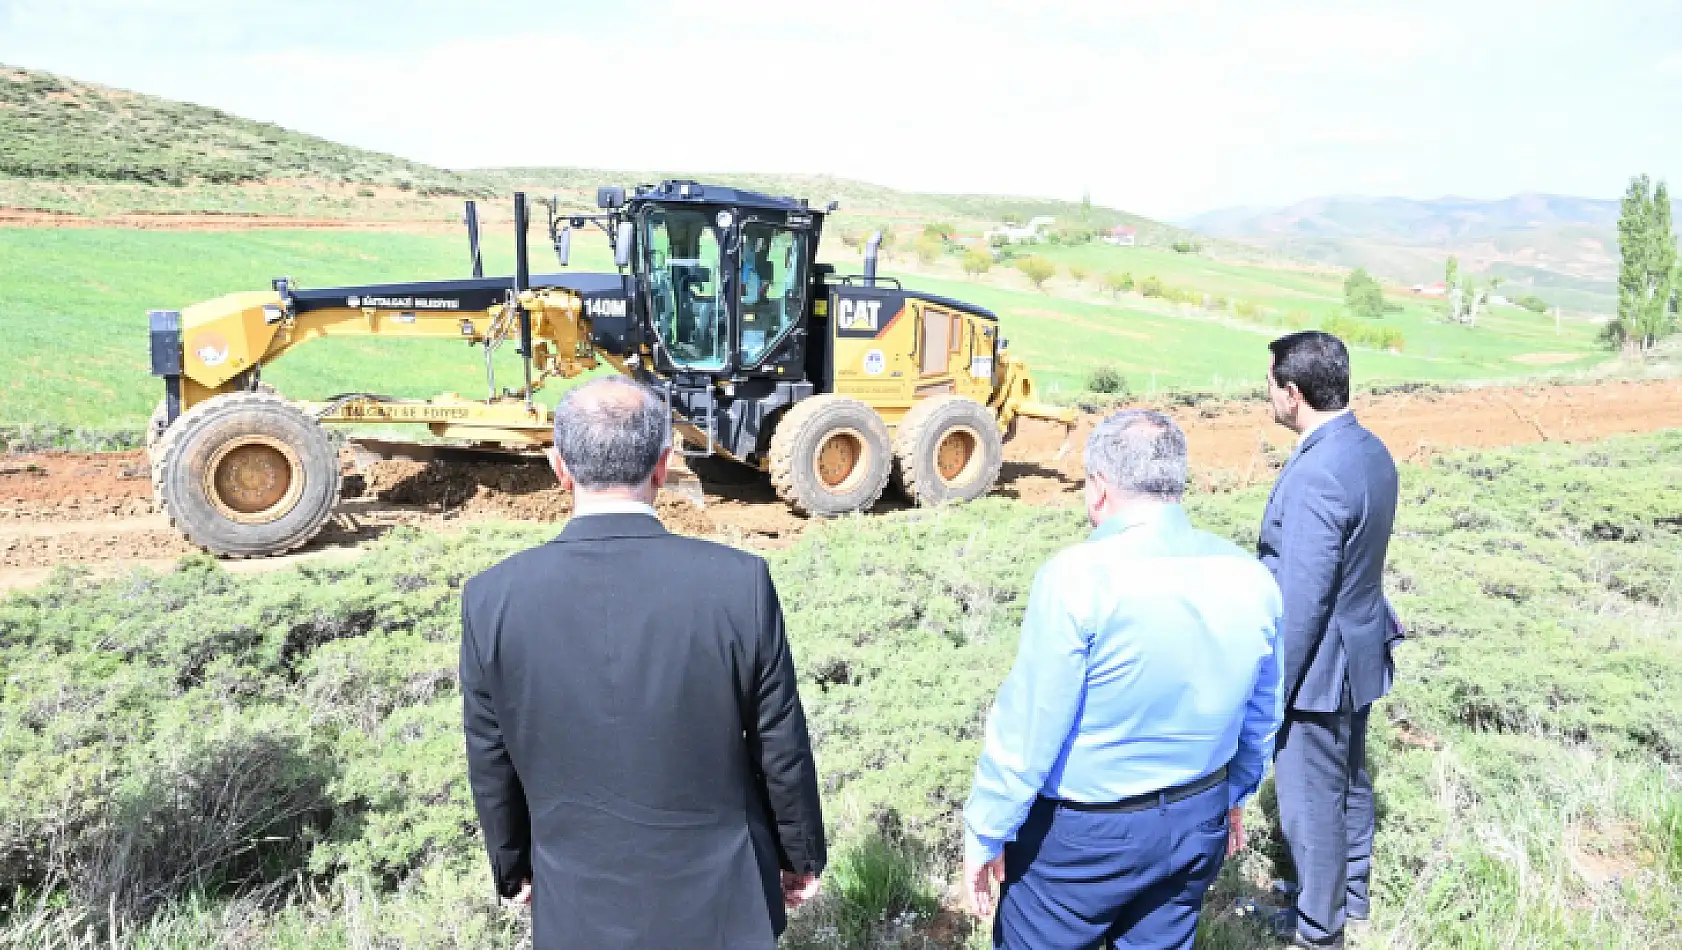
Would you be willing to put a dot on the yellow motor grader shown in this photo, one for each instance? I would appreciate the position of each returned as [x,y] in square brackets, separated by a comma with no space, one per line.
[833,385]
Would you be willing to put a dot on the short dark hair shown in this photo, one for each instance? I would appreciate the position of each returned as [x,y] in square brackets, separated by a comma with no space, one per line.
[610,433]
[1318,363]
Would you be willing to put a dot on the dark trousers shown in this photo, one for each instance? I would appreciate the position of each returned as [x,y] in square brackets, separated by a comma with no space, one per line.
[1076,879]
[1326,814]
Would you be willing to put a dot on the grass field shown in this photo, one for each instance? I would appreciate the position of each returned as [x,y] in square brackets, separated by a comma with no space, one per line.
[298,732]
[73,308]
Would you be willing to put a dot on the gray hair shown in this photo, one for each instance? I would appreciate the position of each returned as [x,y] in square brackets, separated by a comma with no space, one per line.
[610,433]
[1140,451]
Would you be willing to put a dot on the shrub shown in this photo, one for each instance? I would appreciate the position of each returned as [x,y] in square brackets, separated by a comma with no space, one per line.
[1533,303]
[1151,287]
[1247,309]
[1186,247]
[1106,379]
[1078,273]
[1037,269]
[1358,333]
[977,262]
[876,880]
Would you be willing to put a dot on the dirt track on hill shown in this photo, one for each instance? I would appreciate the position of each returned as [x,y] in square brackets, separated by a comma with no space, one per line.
[96,510]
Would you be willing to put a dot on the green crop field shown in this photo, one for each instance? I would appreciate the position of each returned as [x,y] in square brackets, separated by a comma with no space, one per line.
[274,761]
[73,308]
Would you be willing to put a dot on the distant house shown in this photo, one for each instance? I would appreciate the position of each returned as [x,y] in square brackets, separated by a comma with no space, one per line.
[1500,301]
[1438,289]
[1122,236]
[1031,233]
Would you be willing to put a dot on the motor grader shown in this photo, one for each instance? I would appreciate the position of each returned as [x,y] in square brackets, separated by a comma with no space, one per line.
[832,385]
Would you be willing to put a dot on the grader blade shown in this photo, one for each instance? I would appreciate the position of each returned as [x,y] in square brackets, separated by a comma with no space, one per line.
[684,483]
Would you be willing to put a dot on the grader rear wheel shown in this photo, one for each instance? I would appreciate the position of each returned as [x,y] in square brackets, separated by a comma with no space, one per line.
[830,456]
[246,475]
[947,448]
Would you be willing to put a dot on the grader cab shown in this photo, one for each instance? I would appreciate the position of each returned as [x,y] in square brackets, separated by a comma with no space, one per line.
[832,385]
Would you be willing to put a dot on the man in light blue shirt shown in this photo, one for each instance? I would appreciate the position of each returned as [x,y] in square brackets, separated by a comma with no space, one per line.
[1137,721]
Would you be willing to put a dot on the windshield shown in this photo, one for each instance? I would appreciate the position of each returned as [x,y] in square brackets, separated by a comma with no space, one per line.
[685,278]
[773,287]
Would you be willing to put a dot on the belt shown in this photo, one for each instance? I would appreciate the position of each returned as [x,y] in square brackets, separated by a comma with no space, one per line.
[1152,799]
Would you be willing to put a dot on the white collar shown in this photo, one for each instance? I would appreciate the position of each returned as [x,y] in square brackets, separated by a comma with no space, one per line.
[1316,426]
[615,507]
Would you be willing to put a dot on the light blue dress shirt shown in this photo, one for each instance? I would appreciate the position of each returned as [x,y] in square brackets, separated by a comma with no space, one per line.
[1148,659]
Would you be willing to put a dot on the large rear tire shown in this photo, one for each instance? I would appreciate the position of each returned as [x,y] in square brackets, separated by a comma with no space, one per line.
[246,475]
[947,449]
[830,455]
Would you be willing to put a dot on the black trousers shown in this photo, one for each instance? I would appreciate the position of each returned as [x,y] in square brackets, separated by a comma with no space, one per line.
[1326,814]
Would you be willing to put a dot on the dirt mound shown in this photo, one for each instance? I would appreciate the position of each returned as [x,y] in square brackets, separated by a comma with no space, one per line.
[518,490]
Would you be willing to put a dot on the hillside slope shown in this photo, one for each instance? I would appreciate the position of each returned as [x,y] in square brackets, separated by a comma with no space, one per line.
[60,129]
[1560,246]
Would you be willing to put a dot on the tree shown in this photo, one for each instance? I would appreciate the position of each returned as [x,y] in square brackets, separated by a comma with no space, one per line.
[1077,273]
[1037,269]
[1363,296]
[1647,273]
[977,262]
[1118,284]
[1451,273]
[1086,205]
[928,247]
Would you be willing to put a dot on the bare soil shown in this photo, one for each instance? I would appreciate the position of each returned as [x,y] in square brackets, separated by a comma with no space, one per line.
[97,511]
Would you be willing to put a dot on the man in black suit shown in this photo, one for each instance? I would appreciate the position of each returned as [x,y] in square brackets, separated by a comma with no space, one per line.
[1324,537]
[635,741]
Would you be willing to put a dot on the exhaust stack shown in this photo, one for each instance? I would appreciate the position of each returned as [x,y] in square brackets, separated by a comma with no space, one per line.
[472,219]
[870,249]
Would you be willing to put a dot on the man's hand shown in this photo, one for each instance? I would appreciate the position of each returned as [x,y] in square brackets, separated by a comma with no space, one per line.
[798,888]
[979,880]
[522,899]
[1235,840]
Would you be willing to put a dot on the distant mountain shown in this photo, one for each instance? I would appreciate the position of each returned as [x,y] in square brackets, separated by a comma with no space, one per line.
[1561,247]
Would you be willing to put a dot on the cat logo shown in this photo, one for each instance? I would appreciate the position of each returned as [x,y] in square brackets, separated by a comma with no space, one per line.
[858,315]
[605,307]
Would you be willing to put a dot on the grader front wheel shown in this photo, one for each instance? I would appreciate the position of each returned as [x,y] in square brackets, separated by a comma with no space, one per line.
[247,475]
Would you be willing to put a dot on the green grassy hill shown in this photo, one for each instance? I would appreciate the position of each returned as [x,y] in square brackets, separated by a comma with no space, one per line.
[274,762]
[59,129]
[73,308]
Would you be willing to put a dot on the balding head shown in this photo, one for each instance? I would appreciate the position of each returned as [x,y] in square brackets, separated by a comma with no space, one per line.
[611,433]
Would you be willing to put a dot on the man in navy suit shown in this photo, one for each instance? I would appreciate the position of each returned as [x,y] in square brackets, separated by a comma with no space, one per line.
[1324,537]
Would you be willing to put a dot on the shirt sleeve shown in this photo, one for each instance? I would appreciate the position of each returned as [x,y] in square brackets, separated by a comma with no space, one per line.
[1262,716]
[1030,721]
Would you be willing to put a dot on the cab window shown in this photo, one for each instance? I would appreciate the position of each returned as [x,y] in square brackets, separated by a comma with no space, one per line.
[773,287]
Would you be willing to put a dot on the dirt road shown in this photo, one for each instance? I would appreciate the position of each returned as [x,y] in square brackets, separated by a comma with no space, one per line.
[96,510]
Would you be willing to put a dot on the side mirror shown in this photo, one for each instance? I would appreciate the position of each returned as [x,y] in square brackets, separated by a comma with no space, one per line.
[622,246]
[610,198]
[563,246]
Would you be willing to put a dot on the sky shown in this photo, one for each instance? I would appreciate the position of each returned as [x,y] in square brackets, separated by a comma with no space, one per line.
[1161,107]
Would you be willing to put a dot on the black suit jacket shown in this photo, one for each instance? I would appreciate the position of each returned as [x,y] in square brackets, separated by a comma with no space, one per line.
[635,741]
[1325,536]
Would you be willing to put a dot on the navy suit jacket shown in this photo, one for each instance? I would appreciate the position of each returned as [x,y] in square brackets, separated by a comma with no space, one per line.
[1324,537]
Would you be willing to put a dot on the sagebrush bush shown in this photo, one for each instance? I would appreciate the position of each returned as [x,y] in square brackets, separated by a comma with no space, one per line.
[1532,733]
[1106,380]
